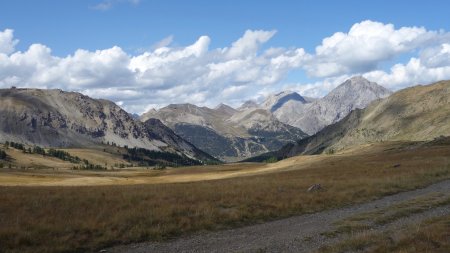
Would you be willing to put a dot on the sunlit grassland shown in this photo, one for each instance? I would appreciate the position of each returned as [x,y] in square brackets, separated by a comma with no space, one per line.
[88,218]
[432,235]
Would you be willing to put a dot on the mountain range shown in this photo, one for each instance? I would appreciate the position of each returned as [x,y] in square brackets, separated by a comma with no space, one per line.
[227,133]
[355,93]
[253,128]
[55,118]
[418,113]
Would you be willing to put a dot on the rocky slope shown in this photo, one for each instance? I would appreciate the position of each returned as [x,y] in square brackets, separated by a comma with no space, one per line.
[226,133]
[355,93]
[414,114]
[253,128]
[276,101]
[249,104]
[54,118]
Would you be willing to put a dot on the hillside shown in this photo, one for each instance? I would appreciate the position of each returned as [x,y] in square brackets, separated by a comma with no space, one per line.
[414,114]
[55,118]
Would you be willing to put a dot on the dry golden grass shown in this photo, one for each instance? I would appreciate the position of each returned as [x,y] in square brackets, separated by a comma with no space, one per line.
[79,219]
[142,175]
[25,160]
[366,221]
[430,236]
[99,157]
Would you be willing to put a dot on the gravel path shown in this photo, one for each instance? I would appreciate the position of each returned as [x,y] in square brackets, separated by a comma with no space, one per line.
[295,234]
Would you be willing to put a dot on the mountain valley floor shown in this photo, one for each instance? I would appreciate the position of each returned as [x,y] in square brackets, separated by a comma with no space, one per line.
[64,210]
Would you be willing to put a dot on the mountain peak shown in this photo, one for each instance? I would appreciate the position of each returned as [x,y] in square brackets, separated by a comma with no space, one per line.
[222,105]
[275,101]
[358,79]
[226,109]
[247,105]
[358,86]
[355,93]
[185,105]
[383,122]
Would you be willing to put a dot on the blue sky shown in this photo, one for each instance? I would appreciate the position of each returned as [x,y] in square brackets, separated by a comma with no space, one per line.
[68,25]
[139,27]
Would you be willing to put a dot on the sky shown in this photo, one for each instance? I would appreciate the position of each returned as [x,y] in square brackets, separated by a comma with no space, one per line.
[145,54]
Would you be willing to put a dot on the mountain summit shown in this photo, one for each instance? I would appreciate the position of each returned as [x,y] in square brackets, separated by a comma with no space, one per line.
[276,101]
[355,93]
[419,113]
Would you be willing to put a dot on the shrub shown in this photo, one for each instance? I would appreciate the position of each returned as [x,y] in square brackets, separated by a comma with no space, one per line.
[330,151]
[160,166]
[2,154]
[271,159]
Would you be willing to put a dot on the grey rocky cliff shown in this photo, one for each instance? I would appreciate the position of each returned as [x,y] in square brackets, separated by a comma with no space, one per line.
[54,118]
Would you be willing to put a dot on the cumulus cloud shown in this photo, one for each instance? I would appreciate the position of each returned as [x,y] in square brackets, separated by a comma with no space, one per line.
[412,73]
[244,70]
[36,67]
[365,46]
[436,56]
[7,41]
[249,44]
[163,75]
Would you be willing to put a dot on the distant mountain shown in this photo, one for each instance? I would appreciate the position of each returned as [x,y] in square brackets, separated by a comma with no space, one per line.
[226,133]
[134,115]
[354,93]
[276,101]
[414,114]
[225,109]
[310,99]
[254,128]
[54,118]
[249,104]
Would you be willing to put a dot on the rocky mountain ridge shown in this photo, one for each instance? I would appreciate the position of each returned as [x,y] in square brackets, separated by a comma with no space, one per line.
[355,93]
[254,128]
[55,118]
[227,133]
[419,113]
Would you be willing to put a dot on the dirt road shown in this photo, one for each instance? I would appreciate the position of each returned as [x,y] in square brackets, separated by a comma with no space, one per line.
[303,233]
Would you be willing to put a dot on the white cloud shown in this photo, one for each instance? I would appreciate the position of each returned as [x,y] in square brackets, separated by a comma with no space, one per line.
[249,44]
[7,41]
[317,89]
[436,56]
[244,70]
[164,42]
[413,73]
[365,46]
[36,67]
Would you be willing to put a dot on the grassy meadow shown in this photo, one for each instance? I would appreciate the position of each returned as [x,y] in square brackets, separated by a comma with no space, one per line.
[89,218]
[432,235]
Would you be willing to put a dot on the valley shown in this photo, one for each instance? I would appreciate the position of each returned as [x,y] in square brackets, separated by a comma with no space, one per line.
[138,126]
[179,201]
[102,188]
